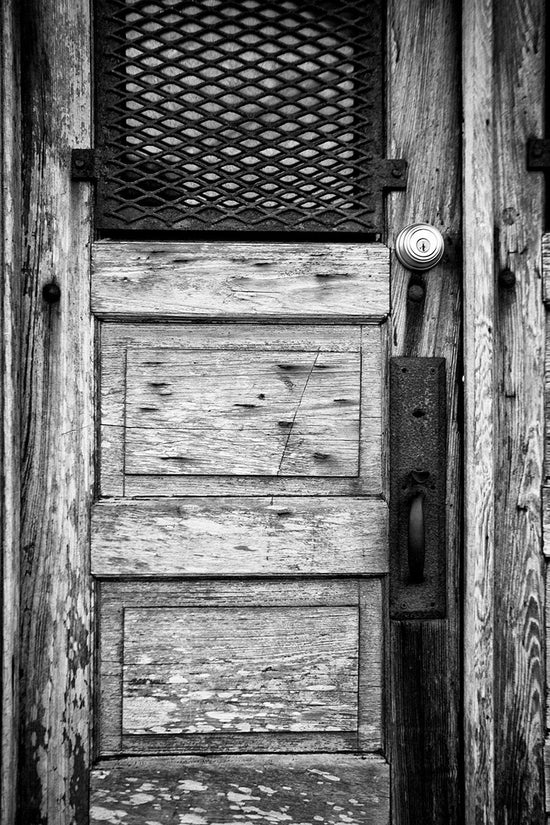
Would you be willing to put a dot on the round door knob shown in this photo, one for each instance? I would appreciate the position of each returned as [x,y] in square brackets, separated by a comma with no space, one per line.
[419,246]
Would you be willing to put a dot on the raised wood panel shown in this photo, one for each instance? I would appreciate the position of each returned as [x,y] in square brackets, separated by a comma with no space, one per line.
[294,789]
[240,280]
[186,666]
[223,413]
[180,405]
[240,670]
[247,536]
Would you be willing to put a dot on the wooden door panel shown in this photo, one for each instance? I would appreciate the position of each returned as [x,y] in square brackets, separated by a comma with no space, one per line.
[240,280]
[273,788]
[240,670]
[224,536]
[193,401]
[212,666]
[223,413]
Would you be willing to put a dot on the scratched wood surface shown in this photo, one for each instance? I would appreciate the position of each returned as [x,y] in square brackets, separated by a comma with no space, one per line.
[227,414]
[263,788]
[10,258]
[205,603]
[57,380]
[185,403]
[424,127]
[268,536]
[519,327]
[240,670]
[239,280]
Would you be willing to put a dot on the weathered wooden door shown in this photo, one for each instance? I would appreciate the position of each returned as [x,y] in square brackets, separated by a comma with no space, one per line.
[245,667]
[240,541]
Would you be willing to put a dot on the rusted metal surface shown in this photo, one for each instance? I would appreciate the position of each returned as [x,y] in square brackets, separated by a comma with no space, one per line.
[418,468]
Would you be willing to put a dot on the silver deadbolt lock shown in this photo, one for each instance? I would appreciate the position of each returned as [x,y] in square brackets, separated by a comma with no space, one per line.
[419,246]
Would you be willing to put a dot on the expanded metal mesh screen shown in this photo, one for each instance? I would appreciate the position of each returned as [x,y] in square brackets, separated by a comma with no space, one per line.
[246,114]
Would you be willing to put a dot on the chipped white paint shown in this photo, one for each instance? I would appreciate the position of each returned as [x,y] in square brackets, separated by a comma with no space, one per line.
[191,785]
[283,650]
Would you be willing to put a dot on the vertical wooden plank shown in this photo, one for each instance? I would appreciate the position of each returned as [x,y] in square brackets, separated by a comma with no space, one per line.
[424,128]
[10,245]
[57,415]
[519,328]
[479,411]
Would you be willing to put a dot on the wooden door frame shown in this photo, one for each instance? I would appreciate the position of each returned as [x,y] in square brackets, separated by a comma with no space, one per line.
[502,83]
[504,714]
[10,261]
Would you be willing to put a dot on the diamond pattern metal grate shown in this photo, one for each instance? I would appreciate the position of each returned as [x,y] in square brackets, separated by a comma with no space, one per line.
[240,115]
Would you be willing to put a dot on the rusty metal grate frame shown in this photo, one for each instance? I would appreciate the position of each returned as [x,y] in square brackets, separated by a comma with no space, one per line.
[125,205]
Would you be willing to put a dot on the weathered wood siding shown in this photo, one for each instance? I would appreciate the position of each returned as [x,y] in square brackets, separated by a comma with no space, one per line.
[10,262]
[519,328]
[546,503]
[479,436]
[504,603]
[424,127]
[57,414]
[263,788]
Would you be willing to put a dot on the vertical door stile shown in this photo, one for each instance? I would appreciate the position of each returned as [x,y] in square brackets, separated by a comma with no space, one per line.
[57,415]
[424,126]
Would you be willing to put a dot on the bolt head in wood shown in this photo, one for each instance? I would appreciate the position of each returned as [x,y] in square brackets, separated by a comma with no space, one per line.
[51,293]
[507,278]
[419,246]
[416,293]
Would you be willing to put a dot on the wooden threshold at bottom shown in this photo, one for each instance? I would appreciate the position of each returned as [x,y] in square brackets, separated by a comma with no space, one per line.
[328,788]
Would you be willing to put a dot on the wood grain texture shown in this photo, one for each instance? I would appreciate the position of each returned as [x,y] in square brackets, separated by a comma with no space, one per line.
[545,262]
[424,127]
[223,413]
[546,520]
[240,536]
[519,327]
[240,280]
[240,670]
[57,415]
[264,788]
[133,614]
[479,461]
[546,288]
[10,258]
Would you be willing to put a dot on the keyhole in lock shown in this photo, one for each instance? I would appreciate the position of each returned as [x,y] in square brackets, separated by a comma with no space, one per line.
[422,245]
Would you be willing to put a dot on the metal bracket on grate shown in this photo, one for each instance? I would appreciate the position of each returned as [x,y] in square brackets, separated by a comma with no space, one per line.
[84,164]
[241,115]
